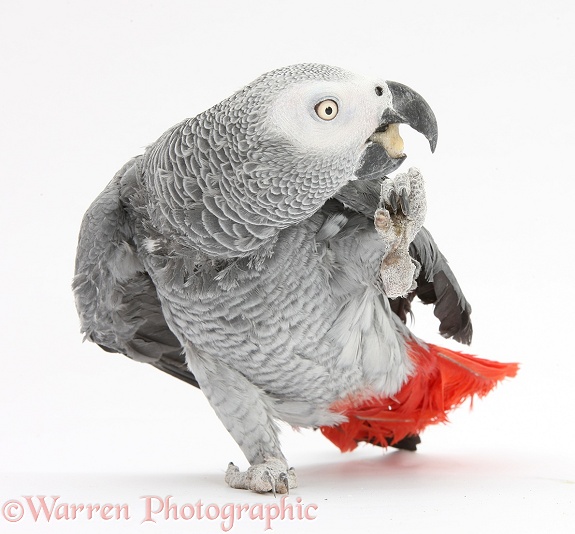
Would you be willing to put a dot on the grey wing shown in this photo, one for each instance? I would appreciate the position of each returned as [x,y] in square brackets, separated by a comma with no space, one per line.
[116,299]
[436,283]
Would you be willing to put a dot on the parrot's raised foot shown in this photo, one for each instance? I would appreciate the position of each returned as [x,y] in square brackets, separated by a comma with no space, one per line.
[397,220]
[272,475]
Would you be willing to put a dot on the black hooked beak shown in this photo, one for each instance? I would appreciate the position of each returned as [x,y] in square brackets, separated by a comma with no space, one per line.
[407,107]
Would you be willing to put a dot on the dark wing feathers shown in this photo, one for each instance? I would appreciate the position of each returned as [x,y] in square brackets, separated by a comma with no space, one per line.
[117,301]
[436,283]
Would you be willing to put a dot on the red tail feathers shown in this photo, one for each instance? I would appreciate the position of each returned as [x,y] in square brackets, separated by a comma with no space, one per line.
[443,379]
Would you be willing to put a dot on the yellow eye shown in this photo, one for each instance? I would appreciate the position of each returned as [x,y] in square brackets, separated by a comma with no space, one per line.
[326,110]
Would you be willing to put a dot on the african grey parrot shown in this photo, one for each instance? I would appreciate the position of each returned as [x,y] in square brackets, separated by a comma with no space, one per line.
[260,252]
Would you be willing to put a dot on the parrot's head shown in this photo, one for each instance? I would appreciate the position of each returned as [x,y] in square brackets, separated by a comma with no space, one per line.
[325,113]
[296,135]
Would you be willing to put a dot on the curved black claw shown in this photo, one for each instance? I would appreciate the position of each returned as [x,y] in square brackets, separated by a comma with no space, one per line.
[397,201]
[272,481]
[404,202]
[393,201]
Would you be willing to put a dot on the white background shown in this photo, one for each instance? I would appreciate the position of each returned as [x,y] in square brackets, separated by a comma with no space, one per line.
[86,85]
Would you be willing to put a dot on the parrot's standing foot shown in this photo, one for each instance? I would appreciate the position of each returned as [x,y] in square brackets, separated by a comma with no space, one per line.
[272,475]
[397,220]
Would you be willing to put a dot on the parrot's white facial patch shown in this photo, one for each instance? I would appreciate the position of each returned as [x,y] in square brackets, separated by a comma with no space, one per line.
[329,117]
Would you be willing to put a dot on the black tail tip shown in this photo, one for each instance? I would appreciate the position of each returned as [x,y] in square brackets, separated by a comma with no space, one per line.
[408,443]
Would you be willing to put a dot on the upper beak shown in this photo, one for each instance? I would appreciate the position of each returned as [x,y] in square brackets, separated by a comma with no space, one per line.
[384,152]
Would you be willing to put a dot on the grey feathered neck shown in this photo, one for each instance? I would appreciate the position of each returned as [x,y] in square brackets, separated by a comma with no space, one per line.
[225,181]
